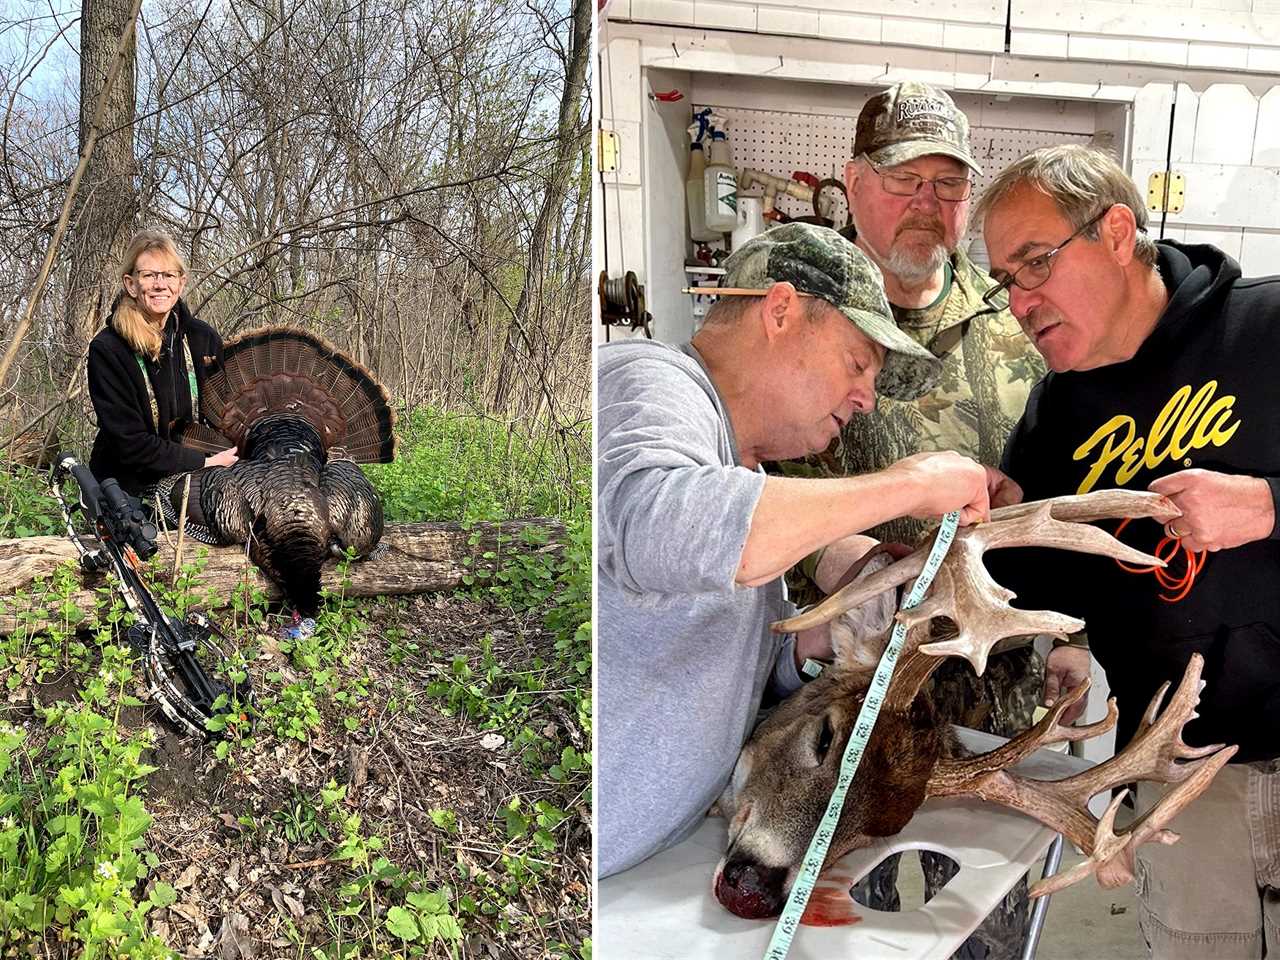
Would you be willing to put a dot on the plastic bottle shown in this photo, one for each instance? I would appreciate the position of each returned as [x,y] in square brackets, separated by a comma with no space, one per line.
[750,221]
[720,182]
[693,184]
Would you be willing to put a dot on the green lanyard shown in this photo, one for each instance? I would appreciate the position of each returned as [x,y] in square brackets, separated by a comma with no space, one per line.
[191,379]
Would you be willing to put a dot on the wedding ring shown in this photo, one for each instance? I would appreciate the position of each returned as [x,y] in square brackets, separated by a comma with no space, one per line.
[1168,529]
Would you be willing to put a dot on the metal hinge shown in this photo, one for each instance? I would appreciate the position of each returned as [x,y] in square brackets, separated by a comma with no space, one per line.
[609,148]
[1166,197]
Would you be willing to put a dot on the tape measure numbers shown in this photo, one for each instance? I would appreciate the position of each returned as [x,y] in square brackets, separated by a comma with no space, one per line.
[789,922]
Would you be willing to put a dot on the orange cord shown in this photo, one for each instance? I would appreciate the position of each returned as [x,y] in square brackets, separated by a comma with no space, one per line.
[1173,547]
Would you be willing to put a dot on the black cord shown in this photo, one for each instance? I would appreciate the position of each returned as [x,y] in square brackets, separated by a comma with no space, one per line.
[1168,162]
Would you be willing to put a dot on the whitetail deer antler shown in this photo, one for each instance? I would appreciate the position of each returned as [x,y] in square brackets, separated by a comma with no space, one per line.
[965,592]
[1156,753]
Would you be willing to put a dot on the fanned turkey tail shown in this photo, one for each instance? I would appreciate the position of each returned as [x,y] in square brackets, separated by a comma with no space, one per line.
[303,415]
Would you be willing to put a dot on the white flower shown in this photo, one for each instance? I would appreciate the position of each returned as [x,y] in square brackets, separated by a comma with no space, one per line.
[106,870]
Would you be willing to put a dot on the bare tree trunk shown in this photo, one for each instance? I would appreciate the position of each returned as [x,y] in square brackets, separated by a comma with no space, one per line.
[109,202]
[569,134]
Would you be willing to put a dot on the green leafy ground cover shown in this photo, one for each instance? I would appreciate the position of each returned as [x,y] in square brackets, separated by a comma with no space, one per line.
[412,781]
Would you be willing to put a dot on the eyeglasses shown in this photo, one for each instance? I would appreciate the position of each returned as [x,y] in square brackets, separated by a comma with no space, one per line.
[1036,271]
[169,278]
[951,189]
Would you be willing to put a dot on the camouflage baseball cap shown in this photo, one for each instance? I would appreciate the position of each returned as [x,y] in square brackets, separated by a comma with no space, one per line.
[912,120]
[819,261]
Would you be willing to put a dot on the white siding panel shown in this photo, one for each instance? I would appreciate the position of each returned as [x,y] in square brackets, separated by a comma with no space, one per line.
[1266,140]
[1036,43]
[1151,123]
[620,90]
[966,36]
[1235,6]
[1085,47]
[913,33]
[1260,254]
[956,11]
[1173,52]
[663,11]
[629,153]
[1264,59]
[791,20]
[1225,123]
[1123,20]
[724,16]
[848,26]
[1220,55]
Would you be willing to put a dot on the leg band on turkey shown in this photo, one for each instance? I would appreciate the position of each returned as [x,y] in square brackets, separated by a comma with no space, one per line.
[303,416]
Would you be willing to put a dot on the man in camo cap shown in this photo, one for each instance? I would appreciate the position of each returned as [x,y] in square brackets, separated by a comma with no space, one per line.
[909,184]
[694,538]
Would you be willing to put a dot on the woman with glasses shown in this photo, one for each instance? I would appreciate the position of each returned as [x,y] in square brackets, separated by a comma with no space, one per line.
[147,369]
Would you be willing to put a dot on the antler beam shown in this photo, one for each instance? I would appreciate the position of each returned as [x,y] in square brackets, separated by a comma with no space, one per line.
[965,592]
[1157,753]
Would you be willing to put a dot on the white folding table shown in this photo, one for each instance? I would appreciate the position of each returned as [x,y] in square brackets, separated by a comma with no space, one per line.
[663,908]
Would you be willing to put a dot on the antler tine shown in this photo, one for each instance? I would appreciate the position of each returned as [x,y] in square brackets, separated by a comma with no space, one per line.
[1060,522]
[1151,828]
[955,776]
[1098,505]
[1162,728]
[1038,527]
[980,606]
[1063,804]
[856,593]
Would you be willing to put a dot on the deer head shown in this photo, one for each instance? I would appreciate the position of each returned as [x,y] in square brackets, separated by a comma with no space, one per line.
[786,772]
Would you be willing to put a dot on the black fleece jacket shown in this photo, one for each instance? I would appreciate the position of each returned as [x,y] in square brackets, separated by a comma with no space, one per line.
[1201,391]
[129,446]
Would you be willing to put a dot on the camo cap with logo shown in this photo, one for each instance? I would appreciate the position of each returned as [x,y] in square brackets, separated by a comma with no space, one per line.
[819,261]
[911,120]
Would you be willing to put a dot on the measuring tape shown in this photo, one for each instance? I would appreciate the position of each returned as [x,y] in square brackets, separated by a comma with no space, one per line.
[789,922]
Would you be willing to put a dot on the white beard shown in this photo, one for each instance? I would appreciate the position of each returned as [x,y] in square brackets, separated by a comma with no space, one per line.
[914,266]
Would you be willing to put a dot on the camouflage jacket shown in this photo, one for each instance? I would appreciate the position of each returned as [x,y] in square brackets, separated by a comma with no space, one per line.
[989,368]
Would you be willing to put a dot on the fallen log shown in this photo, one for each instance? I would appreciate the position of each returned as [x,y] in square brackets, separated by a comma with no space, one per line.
[412,558]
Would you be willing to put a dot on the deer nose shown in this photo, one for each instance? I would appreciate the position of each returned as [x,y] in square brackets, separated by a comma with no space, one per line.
[751,890]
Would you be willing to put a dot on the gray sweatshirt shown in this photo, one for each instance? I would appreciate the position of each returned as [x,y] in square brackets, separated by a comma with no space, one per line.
[684,652]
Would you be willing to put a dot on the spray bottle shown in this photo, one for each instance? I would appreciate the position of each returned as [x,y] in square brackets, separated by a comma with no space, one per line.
[720,181]
[693,183]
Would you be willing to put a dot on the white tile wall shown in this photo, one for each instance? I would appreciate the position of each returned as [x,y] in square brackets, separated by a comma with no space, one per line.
[1260,253]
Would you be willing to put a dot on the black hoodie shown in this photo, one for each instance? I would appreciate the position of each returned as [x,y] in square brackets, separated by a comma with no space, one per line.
[129,447]
[1201,391]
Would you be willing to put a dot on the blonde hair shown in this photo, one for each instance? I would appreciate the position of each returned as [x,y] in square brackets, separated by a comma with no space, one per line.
[127,317]
[1081,181]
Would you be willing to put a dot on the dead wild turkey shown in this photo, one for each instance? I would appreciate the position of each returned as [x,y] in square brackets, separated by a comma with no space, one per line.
[302,414]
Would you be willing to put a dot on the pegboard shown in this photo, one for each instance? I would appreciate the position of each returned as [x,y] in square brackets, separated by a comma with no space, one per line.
[780,143]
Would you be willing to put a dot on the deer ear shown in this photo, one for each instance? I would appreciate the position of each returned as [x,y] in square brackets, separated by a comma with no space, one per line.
[859,636]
